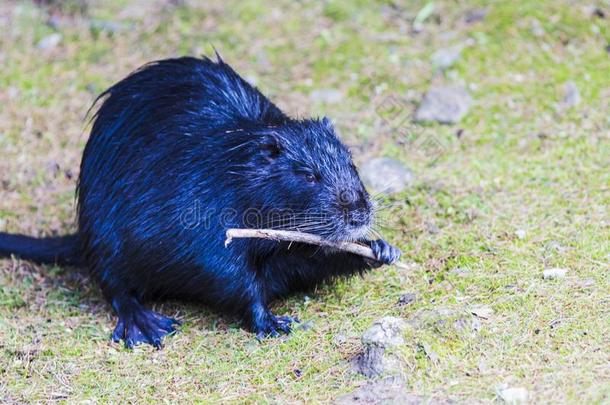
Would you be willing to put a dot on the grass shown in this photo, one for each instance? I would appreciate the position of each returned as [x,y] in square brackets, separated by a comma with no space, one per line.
[525,187]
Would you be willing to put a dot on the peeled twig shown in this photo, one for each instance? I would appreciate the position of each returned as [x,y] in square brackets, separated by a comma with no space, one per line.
[293,236]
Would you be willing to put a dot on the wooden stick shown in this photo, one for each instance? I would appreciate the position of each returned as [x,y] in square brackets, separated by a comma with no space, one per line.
[292,236]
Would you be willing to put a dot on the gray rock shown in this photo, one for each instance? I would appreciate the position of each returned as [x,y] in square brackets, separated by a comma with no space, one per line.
[432,228]
[514,395]
[445,58]
[571,96]
[460,271]
[482,311]
[49,42]
[520,234]
[467,325]
[554,247]
[374,360]
[476,15]
[389,390]
[110,27]
[339,339]
[371,362]
[386,175]
[406,299]
[584,284]
[554,273]
[306,325]
[328,96]
[446,105]
[385,333]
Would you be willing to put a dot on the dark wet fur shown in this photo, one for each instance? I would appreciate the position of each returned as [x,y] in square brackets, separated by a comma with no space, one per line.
[181,150]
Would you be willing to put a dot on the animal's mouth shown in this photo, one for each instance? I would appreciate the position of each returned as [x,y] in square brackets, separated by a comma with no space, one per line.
[359,232]
[358,224]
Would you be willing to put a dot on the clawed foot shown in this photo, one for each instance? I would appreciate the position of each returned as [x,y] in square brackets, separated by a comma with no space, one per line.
[143,326]
[384,252]
[273,325]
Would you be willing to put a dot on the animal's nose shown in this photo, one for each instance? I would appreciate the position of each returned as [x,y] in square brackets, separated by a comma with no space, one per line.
[356,207]
[354,201]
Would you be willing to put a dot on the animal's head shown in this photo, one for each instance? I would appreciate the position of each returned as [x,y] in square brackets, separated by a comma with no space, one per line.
[304,179]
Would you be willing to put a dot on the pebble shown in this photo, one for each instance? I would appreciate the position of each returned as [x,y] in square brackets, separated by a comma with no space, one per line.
[514,395]
[482,311]
[306,325]
[385,332]
[446,57]
[49,42]
[389,390]
[406,299]
[476,15]
[386,175]
[554,273]
[339,339]
[460,271]
[571,96]
[446,104]
[110,27]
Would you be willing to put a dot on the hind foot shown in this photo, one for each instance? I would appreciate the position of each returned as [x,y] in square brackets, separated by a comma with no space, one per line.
[138,325]
[273,325]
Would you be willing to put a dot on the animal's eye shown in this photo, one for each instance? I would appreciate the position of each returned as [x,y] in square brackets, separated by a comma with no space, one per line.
[310,178]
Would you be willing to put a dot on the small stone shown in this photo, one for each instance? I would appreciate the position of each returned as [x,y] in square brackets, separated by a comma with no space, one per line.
[446,105]
[328,96]
[514,395]
[53,168]
[520,233]
[306,325]
[49,42]
[432,228]
[483,367]
[571,96]
[476,15]
[445,58]
[386,175]
[339,339]
[554,273]
[389,390]
[467,325]
[385,332]
[111,27]
[584,284]
[554,246]
[406,299]
[482,311]
[460,271]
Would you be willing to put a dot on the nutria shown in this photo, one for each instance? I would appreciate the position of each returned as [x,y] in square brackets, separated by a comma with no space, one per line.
[186,133]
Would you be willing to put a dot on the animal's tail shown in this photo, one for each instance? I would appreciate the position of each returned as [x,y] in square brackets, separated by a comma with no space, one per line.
[62,250]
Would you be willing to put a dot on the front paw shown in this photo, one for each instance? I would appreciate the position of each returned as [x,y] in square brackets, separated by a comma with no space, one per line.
[273,325]
[384,252]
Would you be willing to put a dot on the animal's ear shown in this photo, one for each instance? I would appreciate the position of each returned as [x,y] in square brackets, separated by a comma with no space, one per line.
[328,123]
[271,146]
